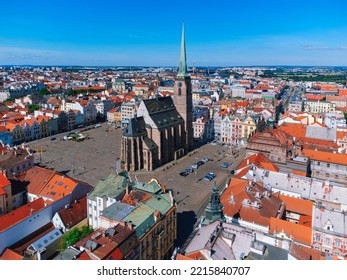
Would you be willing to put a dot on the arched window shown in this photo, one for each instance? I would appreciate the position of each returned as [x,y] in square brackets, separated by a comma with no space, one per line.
[179,91]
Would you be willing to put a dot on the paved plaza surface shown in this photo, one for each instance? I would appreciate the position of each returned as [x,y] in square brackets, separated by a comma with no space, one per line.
[89,160]
[95,158]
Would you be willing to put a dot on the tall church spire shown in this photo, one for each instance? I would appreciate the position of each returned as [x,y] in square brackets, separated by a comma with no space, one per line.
[182,70]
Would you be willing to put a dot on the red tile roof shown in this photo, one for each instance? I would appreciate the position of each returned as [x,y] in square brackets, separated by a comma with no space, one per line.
[260,207]
[304,253]
[326,156]
[37,178]
[314,97]
[300,173]
[58,187]
[297,205]
[190,257]
[299,233]
[3,183]
[20,214]
[259,160]
[10,255]
[74,214]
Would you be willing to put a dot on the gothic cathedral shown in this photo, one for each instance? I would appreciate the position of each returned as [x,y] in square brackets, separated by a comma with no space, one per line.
[162,131]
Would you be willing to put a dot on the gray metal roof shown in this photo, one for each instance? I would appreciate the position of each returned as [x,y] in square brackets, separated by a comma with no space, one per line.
[318,132]
[117,211]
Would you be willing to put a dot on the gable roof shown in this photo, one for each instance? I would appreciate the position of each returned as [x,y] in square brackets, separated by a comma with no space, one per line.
[37,178]
[112,186]
[297,205]
[250,201]
[326,156]
[74,214]
[11,255]
[10,219]
[58,187]
[299,233]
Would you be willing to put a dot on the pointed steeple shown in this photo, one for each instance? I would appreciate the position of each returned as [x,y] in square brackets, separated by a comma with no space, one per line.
[182,70]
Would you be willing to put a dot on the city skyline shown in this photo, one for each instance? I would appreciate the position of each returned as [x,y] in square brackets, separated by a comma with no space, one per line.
[137,34]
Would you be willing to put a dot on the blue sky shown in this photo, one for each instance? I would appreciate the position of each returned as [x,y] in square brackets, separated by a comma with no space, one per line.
[218,33]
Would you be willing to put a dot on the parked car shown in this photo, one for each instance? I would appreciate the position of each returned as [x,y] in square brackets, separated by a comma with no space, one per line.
[212,174]
[204,160]
[208,178]
[189,170]
[199,163]
[194,166]
[184,174]
[224,165]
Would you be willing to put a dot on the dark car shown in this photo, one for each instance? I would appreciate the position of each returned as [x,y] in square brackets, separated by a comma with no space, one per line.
[184,174]
[189,170]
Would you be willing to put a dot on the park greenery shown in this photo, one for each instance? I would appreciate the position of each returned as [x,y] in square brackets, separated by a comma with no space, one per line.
[75,235]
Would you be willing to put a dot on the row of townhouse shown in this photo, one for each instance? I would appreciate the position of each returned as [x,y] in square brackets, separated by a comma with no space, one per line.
[48,122]
[32,129]
[234,130]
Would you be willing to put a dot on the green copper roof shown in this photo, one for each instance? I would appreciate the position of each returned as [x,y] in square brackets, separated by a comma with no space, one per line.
[112,186]
[161,202]
[151,187]
[182,70]
[142,219]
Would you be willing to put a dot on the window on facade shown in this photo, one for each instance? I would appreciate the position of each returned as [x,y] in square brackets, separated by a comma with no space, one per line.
[337,243]
[318,238]
[327,241]
[318,163]
[328,164]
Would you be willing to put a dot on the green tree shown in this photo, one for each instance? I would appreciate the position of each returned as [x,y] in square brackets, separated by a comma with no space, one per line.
[75,235]
[345,116]
[33,107]
[71,92]
[44,91]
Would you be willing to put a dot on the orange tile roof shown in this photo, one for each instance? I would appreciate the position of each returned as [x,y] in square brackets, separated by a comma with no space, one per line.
[326,156]
[255,159]
[297,205]
[269,205]
[314,96]
[4,181]
[342,91]
[242,173]
[304,253]
[298,232]
[58,187]
[10,219]
[11,255]
[340,135]
[300,173]
[269,166]
[193,256]
[37,178]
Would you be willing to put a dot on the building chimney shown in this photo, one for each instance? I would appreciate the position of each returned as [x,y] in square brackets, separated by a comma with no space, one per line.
[172,200]
[127,190]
